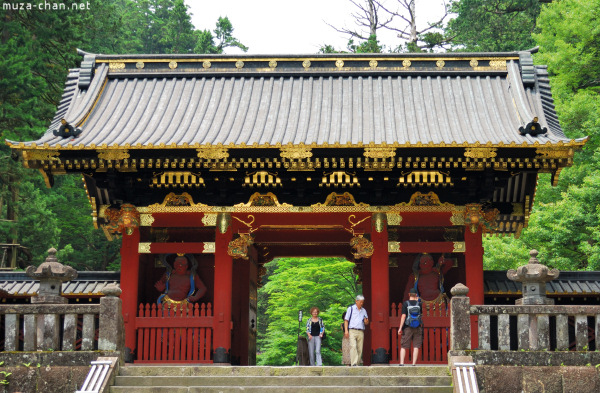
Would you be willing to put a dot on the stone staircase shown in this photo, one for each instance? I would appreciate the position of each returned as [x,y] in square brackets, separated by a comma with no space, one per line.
[192,379]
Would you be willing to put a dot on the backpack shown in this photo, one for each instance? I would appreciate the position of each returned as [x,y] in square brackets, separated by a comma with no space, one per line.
[413,315]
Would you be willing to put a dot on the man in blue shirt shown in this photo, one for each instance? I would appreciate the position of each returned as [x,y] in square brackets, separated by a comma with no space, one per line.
[354,328]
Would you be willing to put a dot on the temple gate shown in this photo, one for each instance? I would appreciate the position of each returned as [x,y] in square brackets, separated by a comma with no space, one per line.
[230,162]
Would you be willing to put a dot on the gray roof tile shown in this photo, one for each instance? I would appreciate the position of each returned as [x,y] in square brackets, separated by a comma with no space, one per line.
[314,108]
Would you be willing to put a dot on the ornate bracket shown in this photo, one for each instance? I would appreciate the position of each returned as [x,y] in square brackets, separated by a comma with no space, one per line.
[238,248]
[362,247]
[476,216]
[122,221]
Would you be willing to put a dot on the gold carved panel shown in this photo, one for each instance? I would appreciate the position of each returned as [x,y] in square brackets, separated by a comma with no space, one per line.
[380,152]
[481,152]
[394,247]
[41,155]
[296,152]
[209,248]
[459,247]
[213,153]
[209,220]
[394,219]
[144,248]
[113,154]
[146,220]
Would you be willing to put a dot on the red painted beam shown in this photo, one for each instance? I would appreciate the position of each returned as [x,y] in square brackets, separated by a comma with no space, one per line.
[425,219]
[430,247]
[182,220]
[302,220]
[170,248]
[287,236]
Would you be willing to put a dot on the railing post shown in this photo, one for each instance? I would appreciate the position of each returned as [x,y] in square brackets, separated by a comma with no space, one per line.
[110,335]
[460,318]
[11,332]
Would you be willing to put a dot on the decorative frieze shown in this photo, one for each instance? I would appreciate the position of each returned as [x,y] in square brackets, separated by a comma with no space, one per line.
[113,154]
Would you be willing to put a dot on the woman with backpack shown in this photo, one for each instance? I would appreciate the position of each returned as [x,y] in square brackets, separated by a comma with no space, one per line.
[411,326]
[315,329]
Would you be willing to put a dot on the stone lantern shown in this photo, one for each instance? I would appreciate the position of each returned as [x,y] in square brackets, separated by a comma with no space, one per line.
[533,277]
[51,275]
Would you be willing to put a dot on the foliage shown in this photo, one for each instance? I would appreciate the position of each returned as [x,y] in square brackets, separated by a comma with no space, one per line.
[493,25]
[299,284]
[565,221]
[223,33]
[37,49]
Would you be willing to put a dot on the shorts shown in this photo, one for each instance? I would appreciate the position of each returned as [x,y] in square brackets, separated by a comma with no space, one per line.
[412,334]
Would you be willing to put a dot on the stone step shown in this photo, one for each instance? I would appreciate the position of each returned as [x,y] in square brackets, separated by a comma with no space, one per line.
[292,379]
[284,381]
[281,389]
[203,370]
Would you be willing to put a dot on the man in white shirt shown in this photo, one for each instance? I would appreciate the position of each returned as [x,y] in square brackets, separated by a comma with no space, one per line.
[354,328]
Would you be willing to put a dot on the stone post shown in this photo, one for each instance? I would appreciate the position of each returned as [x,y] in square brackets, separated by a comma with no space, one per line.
[460,318]
[51,275]
[110,335]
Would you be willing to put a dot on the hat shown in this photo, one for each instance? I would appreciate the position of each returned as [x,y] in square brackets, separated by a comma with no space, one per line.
[412,291]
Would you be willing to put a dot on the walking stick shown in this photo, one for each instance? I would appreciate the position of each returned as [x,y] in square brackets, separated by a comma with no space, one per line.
[298,341]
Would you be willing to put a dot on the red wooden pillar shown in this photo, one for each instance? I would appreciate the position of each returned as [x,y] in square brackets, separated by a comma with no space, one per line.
[130,273]
[366,289]
[380,292]
[474,265]
[474,274]
[222,291]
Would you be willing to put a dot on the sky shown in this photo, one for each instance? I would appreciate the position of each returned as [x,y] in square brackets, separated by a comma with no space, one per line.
[293,27]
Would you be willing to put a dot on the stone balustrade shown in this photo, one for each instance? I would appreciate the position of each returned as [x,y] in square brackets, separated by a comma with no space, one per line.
[54,327]
[51,324]
[523,327]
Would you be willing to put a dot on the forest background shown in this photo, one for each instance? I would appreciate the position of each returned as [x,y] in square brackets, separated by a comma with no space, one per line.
[37,48]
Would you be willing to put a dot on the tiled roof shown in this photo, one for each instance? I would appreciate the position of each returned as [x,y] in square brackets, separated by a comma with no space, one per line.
[431,99]
[86,284]
[567,283]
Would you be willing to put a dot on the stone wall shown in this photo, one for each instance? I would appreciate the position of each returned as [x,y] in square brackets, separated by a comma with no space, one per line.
[534,379]
[48,372]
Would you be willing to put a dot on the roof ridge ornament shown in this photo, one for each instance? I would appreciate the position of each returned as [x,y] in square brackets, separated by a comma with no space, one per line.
[66,130]
[533,128]
[527,69]
[86,70]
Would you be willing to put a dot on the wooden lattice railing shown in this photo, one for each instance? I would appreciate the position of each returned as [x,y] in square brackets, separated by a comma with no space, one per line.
[174,334]
[436,334]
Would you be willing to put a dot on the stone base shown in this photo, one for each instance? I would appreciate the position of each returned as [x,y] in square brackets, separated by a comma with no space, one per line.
[221,355]
[379,356]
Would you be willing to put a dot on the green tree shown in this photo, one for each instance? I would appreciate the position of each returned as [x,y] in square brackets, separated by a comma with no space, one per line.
[565,221]
[493,25]
[223,38]
[299,284]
